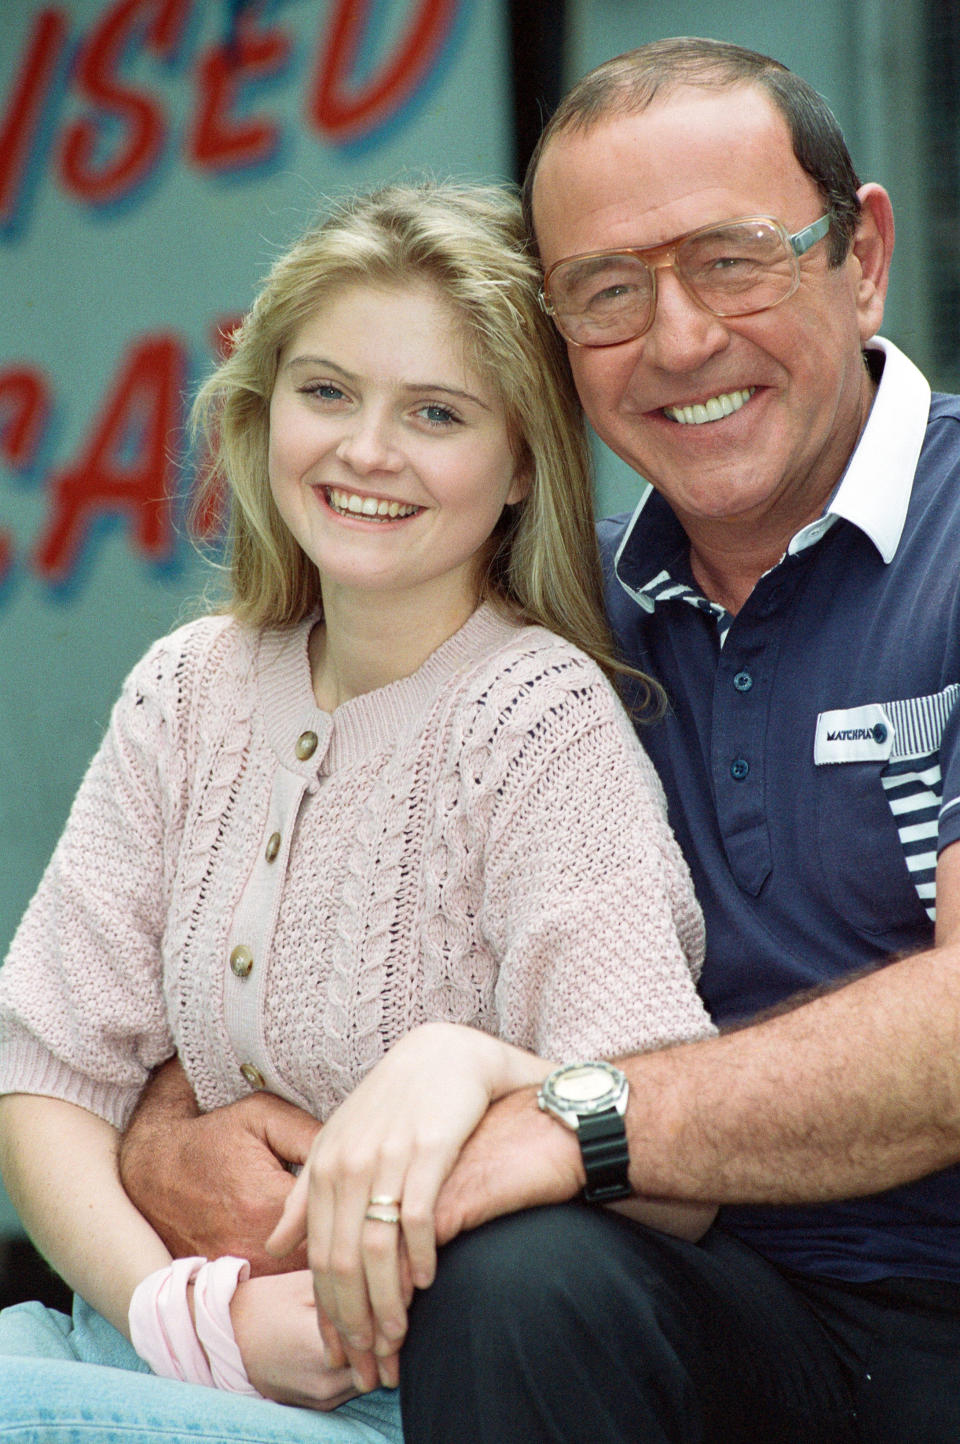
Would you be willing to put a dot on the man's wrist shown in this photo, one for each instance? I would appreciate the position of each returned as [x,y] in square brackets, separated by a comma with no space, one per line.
[559,1145]
[590,1100]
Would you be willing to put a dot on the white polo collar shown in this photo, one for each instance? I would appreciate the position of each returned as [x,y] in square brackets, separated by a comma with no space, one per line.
[874,490]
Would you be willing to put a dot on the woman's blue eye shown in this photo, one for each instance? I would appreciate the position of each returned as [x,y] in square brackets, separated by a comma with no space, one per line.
[323,390]
[438,415]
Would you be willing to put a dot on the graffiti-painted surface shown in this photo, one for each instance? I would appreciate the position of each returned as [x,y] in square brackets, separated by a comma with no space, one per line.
[154,156]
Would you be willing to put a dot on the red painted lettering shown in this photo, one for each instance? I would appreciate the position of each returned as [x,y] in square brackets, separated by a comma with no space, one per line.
[142,415]
[86,170]
[345,113]
[218,139]
[18,130]
[24,406]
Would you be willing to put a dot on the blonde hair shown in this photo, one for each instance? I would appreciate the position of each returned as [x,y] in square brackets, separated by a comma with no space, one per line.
[471,244]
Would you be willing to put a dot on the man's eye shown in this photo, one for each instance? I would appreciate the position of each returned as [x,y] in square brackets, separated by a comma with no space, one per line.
[615,294]
[732,263]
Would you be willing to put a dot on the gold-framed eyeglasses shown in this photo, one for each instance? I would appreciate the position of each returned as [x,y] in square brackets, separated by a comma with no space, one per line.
[734,269]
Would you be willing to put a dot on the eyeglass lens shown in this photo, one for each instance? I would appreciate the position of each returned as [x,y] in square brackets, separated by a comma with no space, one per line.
[732,271]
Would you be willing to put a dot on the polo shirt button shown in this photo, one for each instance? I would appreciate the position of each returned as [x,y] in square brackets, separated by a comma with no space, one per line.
[739,768]
[253,1075]
[241,962]
[306,745]
[272,847]
[743,681]
[880,733]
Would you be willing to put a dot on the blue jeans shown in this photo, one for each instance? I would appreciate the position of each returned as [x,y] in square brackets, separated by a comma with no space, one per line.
[78,1381]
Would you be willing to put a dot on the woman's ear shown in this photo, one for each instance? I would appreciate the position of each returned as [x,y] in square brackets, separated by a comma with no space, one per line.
[522,481]
[872,250]
[522,471]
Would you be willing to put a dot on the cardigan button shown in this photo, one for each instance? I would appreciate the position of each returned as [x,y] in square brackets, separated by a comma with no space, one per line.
[306,745]
[272,847]
[253,1075]
[241,961]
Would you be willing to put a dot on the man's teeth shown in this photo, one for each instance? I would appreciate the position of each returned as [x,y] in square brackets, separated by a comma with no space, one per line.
[713,410]
[349,504]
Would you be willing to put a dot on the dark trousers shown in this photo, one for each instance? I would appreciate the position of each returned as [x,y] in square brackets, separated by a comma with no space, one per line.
[571,1325]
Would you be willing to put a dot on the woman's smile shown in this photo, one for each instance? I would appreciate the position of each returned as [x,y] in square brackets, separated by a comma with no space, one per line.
[363,507]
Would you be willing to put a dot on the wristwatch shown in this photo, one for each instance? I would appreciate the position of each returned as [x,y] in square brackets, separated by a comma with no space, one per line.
[591,1098]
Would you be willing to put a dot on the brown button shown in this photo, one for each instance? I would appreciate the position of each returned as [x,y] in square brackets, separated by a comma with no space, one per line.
[273,846]
[241,961]
[306,745]
[253,1075]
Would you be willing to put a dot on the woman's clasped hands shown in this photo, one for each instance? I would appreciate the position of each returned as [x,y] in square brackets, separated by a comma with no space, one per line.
[365,1198]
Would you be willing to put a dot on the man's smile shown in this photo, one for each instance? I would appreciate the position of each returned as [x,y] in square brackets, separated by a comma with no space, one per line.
[715,408]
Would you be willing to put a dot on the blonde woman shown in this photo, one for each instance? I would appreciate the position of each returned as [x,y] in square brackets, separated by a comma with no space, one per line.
[378,837]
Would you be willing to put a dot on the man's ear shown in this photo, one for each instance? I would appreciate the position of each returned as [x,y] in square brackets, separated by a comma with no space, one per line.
[872,250]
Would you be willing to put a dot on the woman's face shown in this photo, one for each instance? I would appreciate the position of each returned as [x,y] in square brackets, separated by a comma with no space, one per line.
[390,459]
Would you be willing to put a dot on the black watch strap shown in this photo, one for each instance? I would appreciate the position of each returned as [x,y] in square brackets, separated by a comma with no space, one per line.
[606,1158]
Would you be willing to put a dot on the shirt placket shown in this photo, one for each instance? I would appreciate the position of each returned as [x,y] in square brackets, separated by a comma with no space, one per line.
[254,921]
[742,698]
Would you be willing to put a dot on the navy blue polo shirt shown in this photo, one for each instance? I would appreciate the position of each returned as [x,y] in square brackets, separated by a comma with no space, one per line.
[811,760]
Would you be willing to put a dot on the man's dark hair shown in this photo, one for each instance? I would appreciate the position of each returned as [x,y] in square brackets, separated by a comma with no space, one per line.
[627,84]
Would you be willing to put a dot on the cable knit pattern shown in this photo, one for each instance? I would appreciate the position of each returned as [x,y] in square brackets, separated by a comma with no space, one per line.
[483,842]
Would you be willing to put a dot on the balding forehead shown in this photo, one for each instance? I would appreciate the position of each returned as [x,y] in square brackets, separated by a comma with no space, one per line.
[695,156]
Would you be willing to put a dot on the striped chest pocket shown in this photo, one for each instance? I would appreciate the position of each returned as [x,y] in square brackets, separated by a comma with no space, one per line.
[904,738]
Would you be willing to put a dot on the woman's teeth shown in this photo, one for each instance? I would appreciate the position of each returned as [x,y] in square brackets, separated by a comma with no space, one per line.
[347,503]
[713,410]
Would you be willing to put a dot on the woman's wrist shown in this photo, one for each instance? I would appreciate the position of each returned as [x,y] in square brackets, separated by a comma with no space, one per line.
[189,1335]
[510,1067]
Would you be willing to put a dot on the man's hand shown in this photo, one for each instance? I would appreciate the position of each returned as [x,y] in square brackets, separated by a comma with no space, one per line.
[517,1157]
[213,1183]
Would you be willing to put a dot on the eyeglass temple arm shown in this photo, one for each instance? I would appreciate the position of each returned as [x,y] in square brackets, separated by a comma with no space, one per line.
[804,239]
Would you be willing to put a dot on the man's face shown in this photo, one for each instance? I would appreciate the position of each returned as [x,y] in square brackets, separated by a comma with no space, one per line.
[693,159]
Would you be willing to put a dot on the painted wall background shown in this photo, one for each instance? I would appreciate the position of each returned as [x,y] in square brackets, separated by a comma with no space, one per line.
[152,162]
[153,159]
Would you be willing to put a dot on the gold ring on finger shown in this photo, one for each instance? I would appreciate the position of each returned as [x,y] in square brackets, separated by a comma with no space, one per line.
[379,1213]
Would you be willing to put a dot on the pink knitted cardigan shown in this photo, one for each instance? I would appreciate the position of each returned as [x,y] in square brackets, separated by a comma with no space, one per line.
[279,894]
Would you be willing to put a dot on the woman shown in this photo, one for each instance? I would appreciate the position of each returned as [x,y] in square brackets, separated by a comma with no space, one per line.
[384,811]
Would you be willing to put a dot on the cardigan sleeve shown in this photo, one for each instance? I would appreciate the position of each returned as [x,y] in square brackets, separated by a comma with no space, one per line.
[82,1013]
[587,900]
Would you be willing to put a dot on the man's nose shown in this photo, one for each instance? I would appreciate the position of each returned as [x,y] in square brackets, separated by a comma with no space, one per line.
[683,334]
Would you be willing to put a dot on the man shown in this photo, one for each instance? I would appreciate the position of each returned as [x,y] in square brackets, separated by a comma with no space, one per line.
[792,579]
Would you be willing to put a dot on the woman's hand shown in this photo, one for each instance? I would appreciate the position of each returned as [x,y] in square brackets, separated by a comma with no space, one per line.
[365,1199]
[275,1326]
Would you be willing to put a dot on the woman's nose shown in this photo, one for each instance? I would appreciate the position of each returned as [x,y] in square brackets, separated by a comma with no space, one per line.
[368,446]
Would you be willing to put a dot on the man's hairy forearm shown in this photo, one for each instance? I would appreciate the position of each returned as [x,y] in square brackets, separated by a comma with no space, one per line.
[853,1092]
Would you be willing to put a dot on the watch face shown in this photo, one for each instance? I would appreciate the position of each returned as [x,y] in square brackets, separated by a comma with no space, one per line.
[584,1085]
